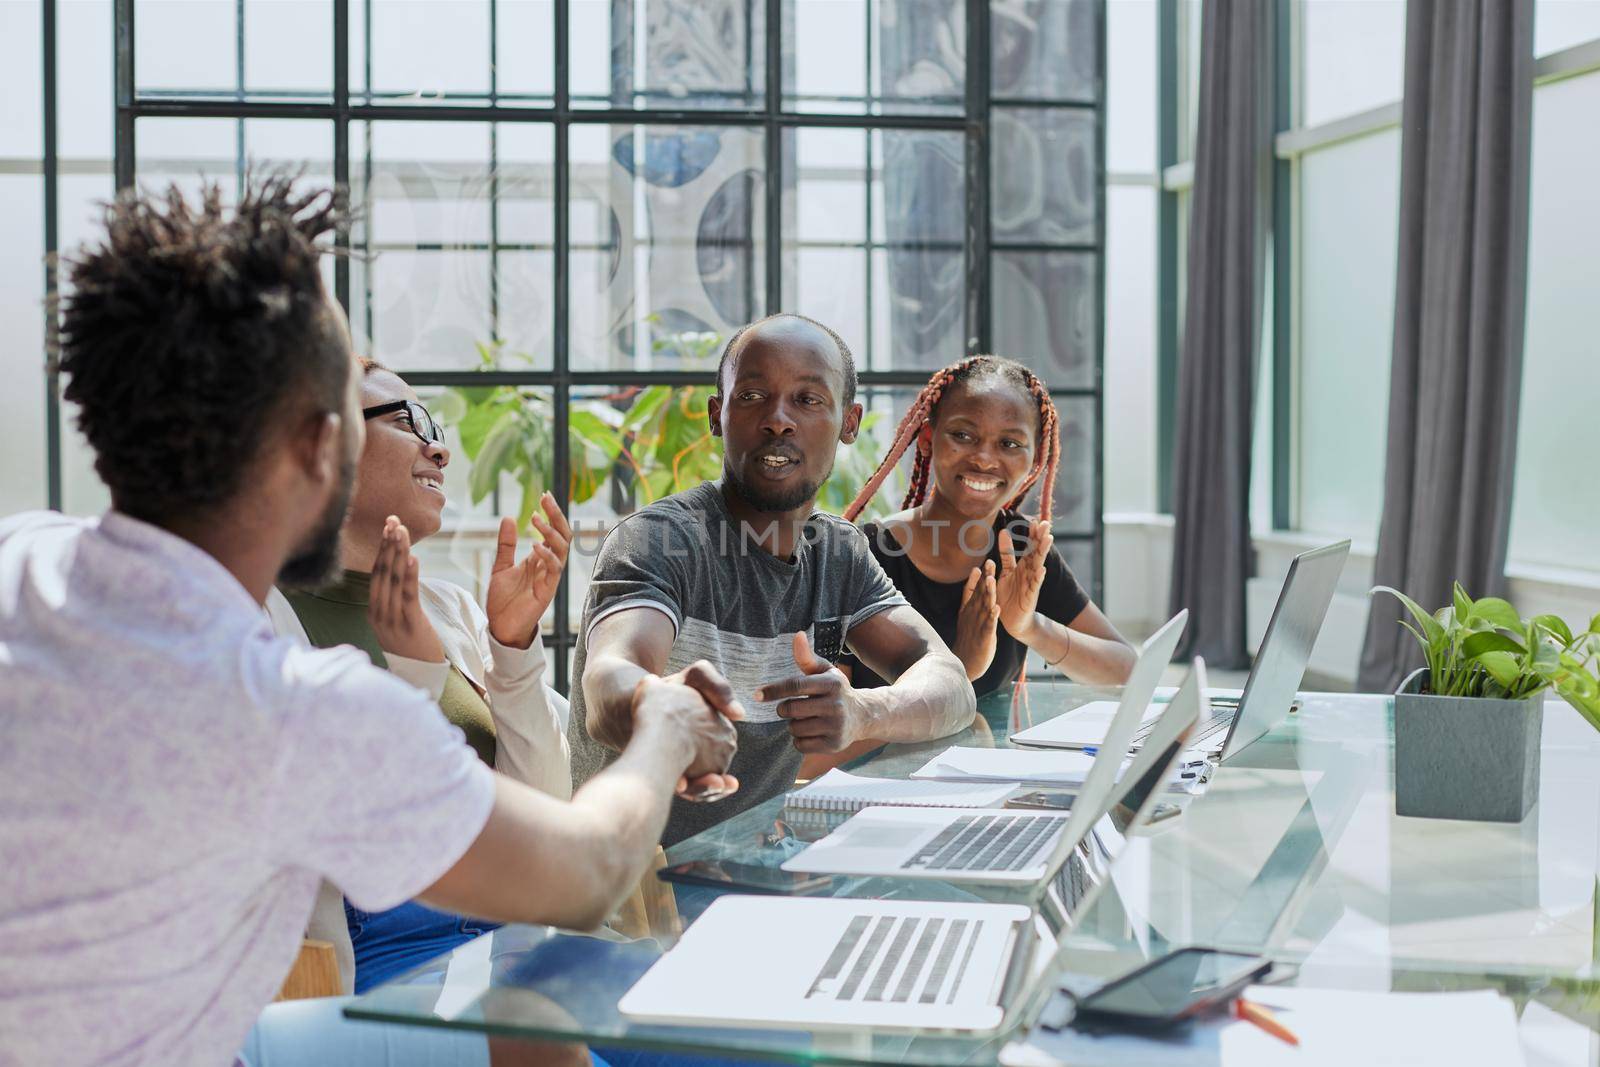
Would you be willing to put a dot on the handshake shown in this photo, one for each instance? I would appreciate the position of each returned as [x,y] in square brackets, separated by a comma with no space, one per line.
[698,705]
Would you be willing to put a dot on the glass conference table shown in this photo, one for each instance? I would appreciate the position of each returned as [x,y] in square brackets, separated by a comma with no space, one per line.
[1293,851]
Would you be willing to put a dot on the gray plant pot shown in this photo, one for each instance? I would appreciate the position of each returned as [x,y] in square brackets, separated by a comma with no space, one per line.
[1465,757]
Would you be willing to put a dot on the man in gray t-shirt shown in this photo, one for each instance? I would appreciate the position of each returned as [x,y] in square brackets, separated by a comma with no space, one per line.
[741,589]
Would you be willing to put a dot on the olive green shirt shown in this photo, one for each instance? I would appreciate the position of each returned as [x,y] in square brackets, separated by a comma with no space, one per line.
[337,615]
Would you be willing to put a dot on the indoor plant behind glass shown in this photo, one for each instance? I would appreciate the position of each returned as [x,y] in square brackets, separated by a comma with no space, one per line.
[1467,726]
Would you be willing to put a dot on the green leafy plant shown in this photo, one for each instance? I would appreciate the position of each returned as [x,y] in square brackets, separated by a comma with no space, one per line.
[645,441]
[1484,648]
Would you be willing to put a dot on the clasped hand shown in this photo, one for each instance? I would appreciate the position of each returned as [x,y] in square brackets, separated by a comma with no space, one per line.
[699,701]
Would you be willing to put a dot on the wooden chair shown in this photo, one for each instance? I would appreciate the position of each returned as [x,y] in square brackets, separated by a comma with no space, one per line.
[315,973]
[651,910]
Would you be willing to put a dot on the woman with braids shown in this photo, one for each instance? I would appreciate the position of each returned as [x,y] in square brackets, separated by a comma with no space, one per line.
[986,576]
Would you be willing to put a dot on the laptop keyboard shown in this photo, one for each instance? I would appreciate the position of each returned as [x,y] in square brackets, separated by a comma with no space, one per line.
[1001,842]
[1212,726]
[866,959]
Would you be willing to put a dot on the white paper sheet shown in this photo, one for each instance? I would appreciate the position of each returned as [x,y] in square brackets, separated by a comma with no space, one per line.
[1336,1027]
[1066,768]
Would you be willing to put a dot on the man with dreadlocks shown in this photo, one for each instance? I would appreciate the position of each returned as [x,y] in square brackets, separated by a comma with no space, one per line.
[742,589]
[988,578]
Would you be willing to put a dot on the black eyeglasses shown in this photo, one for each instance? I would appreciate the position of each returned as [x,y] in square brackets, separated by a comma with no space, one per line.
[422,424]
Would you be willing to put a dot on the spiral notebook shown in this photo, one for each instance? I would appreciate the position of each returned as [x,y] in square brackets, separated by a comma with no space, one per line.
[840,791]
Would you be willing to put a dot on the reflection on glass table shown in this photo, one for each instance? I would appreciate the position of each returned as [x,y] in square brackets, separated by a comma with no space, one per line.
[1292,851]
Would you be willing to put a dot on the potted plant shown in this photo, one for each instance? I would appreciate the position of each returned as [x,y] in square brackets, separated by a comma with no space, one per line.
[1467,726]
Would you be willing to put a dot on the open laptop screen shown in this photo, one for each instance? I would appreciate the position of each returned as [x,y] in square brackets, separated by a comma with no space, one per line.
[1286,646]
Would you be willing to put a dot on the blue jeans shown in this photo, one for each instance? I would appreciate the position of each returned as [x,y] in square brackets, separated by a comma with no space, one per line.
[390,943]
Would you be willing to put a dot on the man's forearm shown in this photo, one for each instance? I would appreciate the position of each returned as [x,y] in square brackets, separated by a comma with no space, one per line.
[569,863]
[608,685]
[628,804]
[931,698]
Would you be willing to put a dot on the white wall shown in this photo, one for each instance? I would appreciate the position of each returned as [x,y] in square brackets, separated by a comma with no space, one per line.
[1139,568]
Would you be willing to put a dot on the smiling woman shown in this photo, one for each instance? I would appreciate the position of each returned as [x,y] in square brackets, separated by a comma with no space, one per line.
[984,575]
[483,666]
[402,467]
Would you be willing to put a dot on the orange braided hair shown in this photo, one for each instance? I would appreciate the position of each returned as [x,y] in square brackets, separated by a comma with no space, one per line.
[925,408]
[921,416]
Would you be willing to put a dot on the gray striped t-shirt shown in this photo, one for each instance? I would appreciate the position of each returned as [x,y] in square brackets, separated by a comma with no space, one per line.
[733,603]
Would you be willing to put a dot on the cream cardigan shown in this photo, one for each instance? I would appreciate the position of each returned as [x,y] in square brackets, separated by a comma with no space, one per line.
[530,718]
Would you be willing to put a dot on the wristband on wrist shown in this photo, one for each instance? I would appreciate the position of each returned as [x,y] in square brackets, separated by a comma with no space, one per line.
[1057,661]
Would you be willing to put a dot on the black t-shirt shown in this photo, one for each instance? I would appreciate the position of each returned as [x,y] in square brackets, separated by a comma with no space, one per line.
[1061,599]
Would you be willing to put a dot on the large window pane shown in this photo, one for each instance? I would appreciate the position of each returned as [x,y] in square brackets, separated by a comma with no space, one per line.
[1132,81]
[452,51]
[21,128]
[874,56]
[669,53]
[190,153]
[1559,24]
[84,125]
[1044,50]
[22,481]
[1046,313]
[1557,509]
[198,48]
[892,288]
[1043,175]
[1350,198]
[1354,56]
[454,243]
[667,238]
[83,89]
[1130,349]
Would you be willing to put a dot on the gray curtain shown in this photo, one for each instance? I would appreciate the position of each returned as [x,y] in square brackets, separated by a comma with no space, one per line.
[1222,328]
[1455,377]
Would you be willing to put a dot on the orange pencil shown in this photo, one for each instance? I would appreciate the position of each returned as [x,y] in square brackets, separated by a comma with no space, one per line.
[1256,1015]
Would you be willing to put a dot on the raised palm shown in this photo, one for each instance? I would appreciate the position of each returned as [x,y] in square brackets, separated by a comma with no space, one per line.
[520,592]
[1021,580]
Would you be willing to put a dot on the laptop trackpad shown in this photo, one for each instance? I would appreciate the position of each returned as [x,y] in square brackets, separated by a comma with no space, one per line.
[882,836]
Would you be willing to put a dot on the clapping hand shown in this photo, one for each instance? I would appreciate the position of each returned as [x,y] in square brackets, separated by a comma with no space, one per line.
[520,593]
[394,609]
[1017,591]
[975,632]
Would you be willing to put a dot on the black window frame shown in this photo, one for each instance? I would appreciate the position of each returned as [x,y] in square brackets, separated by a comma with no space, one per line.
[340,110]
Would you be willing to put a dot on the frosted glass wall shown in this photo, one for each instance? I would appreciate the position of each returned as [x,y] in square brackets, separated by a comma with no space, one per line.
[1556,514]
[1350,198]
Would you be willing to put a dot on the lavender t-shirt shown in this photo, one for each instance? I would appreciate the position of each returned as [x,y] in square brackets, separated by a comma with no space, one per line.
[174,782]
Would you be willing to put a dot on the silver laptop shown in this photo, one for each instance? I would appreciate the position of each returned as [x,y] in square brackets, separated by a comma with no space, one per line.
[1268,692]
[886,964]
[992,845]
